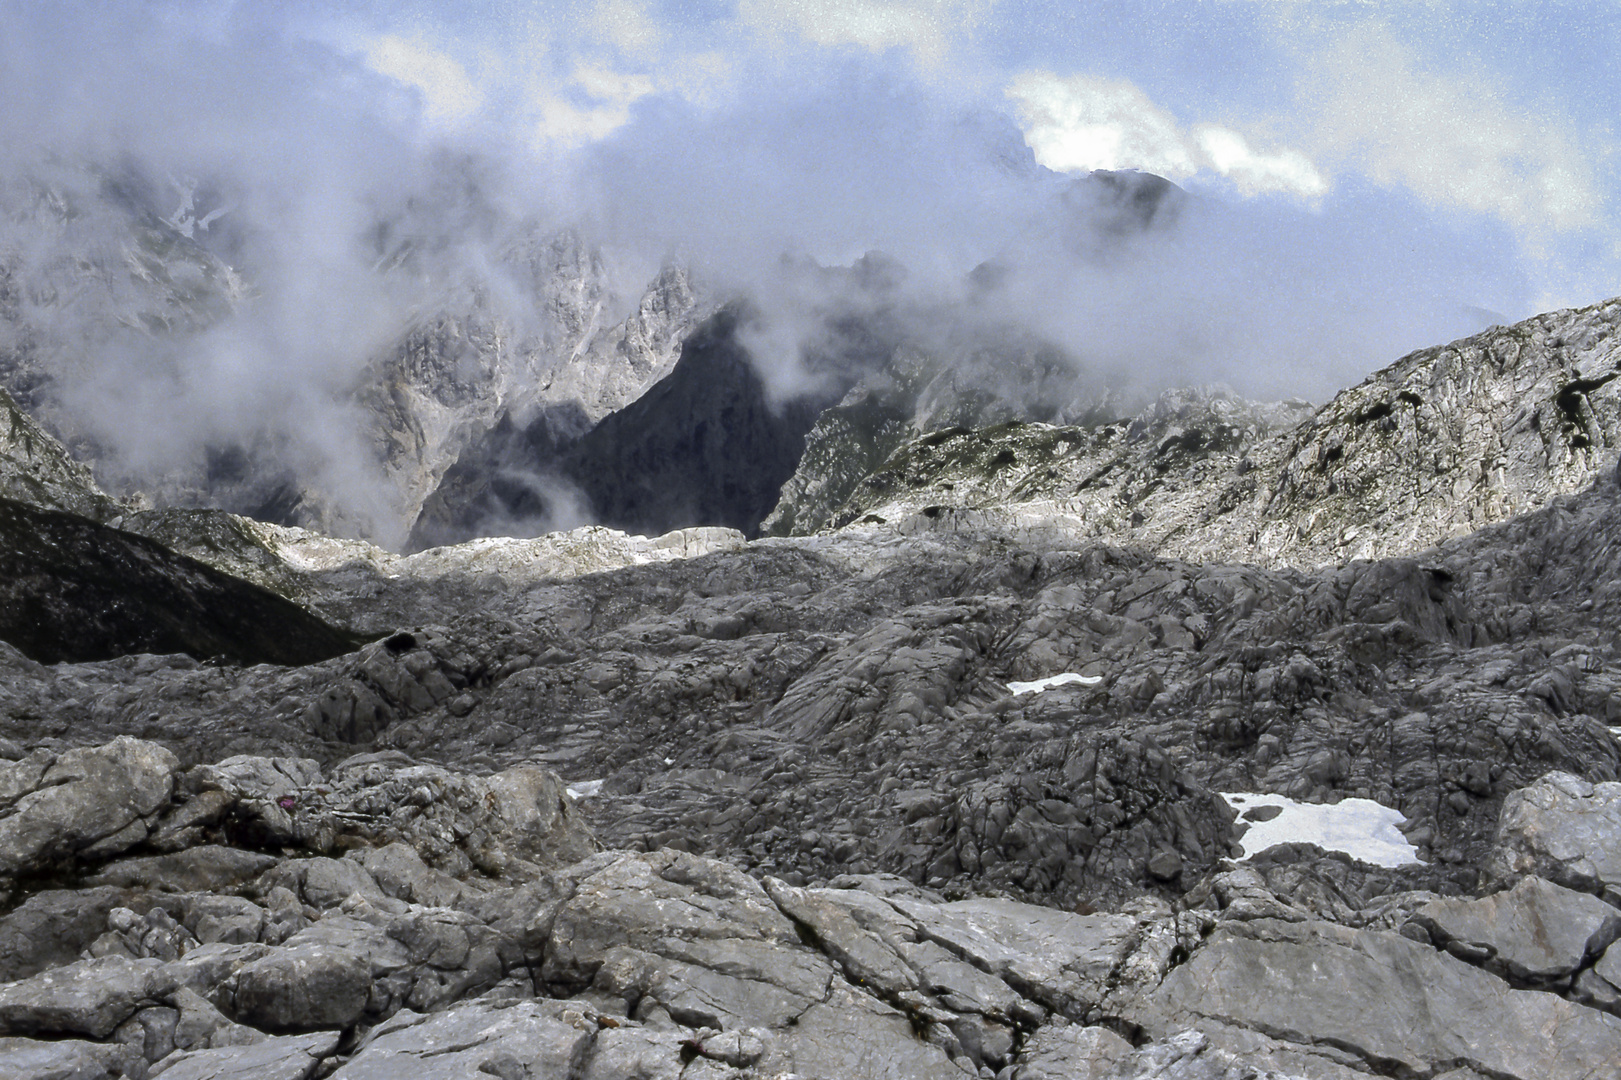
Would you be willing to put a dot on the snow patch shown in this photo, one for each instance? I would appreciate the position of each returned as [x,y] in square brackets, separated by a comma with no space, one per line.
[1053,680]
[1361,828]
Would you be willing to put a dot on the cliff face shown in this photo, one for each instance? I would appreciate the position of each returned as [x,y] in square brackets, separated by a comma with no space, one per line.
[703,446]
[97,280]
[1438,444]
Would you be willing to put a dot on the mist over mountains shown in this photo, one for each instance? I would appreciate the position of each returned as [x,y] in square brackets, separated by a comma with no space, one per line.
[227,245]
[893,539]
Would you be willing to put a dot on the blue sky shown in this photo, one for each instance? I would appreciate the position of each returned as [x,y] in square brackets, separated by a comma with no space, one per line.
[1492,123]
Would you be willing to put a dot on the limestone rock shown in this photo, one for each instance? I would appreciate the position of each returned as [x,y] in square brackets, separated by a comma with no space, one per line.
[1063,1051]
[85,803]
[1565,829]
[1534,932]
[298,987]
[518,1039]
[62,1059]
[287,1057]
[1382,998]
[88,997]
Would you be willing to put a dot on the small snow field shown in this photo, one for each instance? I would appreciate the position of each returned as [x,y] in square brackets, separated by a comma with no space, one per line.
[1361,828]
[1048,683]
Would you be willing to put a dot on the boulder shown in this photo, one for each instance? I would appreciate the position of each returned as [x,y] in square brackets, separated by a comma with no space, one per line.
[288,1057]
[1564,829]
[1387,1001]
[519,1039]
[52,928]
[300,987]
[1067,962]
[1065,1051]
[64,1059]
[1535,932]
[89,997]
[88,803]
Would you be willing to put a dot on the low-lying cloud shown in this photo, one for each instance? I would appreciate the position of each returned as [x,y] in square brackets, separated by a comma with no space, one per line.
[215,219]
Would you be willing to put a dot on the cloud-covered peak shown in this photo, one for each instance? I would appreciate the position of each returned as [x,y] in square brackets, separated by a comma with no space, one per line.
[1080,123]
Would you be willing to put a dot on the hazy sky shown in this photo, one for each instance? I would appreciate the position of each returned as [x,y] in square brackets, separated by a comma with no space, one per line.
[1365,178]
[1493,122]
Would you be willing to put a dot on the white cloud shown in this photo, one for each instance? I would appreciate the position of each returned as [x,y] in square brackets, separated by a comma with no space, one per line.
[1081,123]
[928,27]
[595,102]
[1253,173]
[1450,138]
[447,92]
[628,25]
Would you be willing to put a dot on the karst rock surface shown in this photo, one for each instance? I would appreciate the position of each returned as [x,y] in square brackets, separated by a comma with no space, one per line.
[954,793]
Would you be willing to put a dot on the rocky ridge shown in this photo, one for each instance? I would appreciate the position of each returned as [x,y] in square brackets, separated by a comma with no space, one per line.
[93,263]
[1441,443]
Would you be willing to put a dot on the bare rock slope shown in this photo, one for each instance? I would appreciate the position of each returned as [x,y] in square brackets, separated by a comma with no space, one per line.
[969,791]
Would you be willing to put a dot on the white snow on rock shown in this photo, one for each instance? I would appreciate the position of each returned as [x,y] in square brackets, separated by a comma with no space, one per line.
[1361,828]
[1053,680]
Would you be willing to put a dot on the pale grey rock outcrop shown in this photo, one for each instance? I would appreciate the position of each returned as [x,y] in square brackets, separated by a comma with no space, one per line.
[666,963]
[1443,442]
[1535,932]
[37,470]
[65,1059]
[1565,829]
[287,1057]
[82,804]
[518,1038]
[1314,983]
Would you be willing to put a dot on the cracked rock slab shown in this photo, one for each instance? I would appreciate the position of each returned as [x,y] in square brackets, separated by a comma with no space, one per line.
[1536,931]
[287,1057]
[1394,1004]
[1565,829]
[524,1039]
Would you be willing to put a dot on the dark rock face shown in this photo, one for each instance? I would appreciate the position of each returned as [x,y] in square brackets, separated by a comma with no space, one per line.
[703,446]
[73,590]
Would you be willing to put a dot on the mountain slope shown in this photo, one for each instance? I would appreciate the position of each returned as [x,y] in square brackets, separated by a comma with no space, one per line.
[73,590]
[1438,444]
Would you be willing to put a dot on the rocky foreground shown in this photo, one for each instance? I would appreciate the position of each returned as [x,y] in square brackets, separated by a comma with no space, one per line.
[949,790]
[812,830]
[386,919]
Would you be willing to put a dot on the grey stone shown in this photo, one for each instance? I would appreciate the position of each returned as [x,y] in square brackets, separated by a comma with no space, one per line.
[208,867]
[90,997]
[1564,829]
[852,1034]
[299,987]
[665,899]
[1064,961]
[63,1059]
[400,873]
[1384,999]
[233,920]
[1064,1051]
[1535,931]
[93,801]
[538,1039]
[287,1057]
[52,928]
